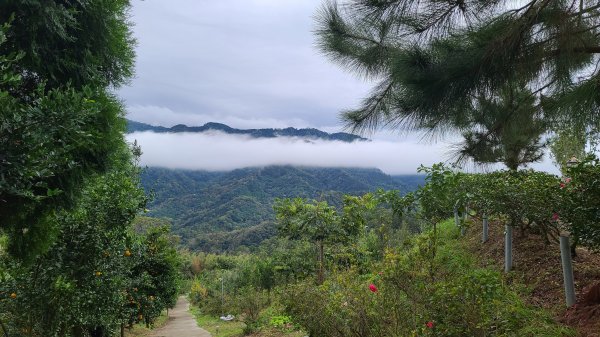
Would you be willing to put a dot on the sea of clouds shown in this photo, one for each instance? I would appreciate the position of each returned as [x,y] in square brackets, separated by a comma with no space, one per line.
[216,151]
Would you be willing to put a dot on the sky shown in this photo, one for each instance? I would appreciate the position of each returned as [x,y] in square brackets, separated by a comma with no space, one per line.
[250,64]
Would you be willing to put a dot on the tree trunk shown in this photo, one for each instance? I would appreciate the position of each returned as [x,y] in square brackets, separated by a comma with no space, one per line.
[78,331]
[574,247]
[4,330]
[97,332]
[321,276]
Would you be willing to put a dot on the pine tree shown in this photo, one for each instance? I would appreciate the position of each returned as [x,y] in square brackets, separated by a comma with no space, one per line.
[507,129]
[435,60]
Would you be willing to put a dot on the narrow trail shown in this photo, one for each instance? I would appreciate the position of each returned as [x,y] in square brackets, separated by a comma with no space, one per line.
[181,323]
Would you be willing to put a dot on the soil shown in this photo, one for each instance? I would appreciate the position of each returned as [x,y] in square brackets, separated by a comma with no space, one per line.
[538,265]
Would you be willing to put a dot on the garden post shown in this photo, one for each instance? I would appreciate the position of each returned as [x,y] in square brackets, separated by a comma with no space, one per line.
[456,219]
[485,228]
[567,266]
[222,297]
[507,248]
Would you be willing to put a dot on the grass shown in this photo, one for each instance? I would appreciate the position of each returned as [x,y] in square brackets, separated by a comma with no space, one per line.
[217,327]
[235,328]
[272,332]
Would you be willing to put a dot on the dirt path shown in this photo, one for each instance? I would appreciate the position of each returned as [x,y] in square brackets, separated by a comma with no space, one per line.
[181,323]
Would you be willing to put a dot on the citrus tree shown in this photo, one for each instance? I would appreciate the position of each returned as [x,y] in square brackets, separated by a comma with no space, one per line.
[581,197]
[76,288]
[154,275]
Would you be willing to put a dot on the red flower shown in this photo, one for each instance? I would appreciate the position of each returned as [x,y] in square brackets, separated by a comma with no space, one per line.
[373,288]
[567,180]
[554,216]
[429,324]
[562,185]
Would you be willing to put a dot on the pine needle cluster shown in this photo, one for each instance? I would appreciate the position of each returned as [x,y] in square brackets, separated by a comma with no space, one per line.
[477,67]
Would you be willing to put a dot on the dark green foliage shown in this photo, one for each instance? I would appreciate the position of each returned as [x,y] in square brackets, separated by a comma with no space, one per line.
[154,271]
[98,273]
[69,43]
[255,133]
[221,211]
[384,215]
[533,202]
[505,130]
[59,124]
[77,284]
[243,239]
[581,200]
[435,60]
[44,167]
[250,302]
[441,195]
[316,222]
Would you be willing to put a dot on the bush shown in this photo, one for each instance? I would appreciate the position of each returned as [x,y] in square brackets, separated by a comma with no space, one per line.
[419,291]
[249,303]
[198,293]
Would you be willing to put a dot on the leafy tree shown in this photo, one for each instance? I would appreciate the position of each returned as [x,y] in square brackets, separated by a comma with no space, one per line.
[59,124]
[442,193]
[155,275]
[76,287]
[316,221]
[435,59]
[581,197]
[383,214]
[99,273]
[569,141]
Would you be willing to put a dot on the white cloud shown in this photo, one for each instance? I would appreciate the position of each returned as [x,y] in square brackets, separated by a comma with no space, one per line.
[219,152]
[216,151]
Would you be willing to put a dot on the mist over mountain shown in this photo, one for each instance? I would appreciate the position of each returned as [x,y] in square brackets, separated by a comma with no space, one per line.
[226,211]
[230,209]
[308,133]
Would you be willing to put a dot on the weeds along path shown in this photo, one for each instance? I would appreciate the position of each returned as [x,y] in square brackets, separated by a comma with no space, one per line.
[181,323]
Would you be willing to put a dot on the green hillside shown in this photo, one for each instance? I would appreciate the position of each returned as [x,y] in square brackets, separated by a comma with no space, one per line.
[223,211]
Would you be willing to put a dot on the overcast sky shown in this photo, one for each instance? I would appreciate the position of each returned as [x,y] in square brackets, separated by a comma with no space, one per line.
[248,64]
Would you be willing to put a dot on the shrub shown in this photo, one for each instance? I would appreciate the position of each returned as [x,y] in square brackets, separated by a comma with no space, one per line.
[249,303]
[415,292]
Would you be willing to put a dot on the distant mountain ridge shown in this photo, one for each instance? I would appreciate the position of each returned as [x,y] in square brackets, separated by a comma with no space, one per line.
[310,133]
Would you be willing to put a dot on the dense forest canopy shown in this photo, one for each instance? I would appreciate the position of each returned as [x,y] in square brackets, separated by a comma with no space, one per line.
[226,211]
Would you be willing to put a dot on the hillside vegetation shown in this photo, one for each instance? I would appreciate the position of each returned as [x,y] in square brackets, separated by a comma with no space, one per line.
[386,264]
[223,211]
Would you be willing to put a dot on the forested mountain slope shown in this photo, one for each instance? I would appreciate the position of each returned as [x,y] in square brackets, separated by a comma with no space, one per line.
[219,211]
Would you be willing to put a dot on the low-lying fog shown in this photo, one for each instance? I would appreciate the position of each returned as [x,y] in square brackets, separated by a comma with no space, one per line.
[218,151]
